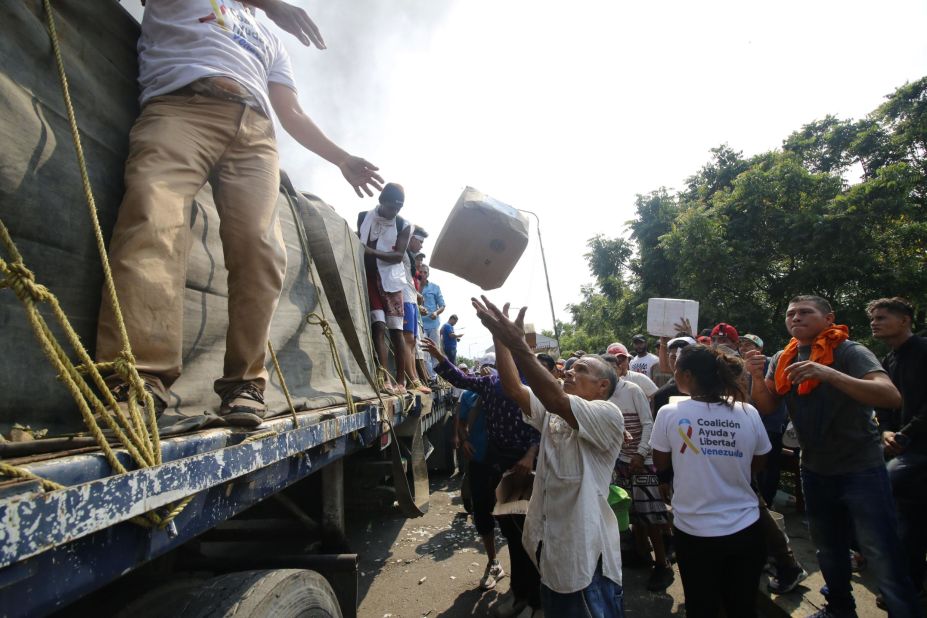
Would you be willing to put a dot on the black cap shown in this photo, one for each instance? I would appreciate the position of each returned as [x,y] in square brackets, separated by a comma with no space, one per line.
[393,193]
[638,337]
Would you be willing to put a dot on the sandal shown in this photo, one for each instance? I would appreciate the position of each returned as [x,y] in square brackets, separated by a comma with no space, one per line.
[416,385]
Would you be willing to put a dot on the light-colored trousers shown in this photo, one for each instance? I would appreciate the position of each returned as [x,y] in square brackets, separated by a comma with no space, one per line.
[176,145]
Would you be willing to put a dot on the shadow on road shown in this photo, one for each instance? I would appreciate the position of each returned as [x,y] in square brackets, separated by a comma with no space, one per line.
[472,603]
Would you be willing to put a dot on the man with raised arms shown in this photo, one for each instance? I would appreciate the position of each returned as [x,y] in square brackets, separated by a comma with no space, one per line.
[570,531]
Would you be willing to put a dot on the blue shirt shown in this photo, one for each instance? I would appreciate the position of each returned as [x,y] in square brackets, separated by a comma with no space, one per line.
[477,436]
[505,427]
[448,340]
[433,301]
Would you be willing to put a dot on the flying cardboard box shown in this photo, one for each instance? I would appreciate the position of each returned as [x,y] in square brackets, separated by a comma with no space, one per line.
[482,240]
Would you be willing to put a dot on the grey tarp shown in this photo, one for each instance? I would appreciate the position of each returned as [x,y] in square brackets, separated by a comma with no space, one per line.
[42,204]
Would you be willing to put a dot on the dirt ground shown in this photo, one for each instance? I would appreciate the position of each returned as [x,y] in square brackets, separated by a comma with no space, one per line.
[432,566]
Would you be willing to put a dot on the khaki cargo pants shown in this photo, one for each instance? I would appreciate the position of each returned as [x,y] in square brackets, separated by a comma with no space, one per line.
[176,145]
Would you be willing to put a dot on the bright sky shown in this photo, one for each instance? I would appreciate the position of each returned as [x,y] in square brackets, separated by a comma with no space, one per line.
[571,109]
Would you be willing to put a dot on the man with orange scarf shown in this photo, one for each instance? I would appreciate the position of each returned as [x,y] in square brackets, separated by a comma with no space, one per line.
[830,385]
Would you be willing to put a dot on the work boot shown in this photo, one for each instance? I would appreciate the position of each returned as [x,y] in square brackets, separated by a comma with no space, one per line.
[243,406]
[121,395]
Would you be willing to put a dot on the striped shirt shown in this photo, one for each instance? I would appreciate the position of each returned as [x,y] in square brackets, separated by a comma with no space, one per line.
[632,402]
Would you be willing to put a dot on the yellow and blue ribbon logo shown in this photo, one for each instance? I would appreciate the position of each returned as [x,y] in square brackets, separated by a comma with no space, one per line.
[686,436]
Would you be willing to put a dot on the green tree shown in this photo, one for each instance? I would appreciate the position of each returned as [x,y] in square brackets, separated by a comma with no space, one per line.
[746,235]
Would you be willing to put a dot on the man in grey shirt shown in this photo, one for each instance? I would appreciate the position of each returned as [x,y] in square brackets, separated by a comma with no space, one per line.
[830,385]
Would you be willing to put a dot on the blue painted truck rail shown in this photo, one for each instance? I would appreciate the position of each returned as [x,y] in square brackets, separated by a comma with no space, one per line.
[58,546]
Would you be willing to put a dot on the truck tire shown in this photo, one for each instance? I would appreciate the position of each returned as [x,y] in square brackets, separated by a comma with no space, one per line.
[281,593]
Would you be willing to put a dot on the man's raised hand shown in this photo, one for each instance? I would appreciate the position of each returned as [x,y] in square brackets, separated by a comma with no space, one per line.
[683,326]
[497,322]
[360,173]
[295,21]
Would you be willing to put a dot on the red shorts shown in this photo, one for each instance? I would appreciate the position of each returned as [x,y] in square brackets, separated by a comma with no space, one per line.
[384,306]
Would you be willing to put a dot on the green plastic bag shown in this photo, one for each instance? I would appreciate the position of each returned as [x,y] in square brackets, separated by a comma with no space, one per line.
[620,502]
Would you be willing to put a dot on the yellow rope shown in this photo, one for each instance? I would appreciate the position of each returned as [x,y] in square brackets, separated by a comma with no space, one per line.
[20,473]
[124,365]
[259,436]
[286,391]
[322,320]
[318,320]
[141,440]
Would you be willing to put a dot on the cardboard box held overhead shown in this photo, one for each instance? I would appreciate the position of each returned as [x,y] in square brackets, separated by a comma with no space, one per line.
[664,313]
[481,241]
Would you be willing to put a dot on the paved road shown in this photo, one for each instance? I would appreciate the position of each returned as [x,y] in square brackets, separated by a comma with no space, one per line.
[432,566]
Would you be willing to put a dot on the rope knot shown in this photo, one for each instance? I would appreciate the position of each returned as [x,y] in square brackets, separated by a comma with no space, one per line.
[316,320]
[124,365]
[22,281]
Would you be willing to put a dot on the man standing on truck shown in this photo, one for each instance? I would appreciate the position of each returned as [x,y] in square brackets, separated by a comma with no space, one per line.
[386,237]
[210,74]
[433,302]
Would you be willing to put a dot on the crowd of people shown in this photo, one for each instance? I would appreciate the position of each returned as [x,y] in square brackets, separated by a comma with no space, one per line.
[699,458]
[706,442]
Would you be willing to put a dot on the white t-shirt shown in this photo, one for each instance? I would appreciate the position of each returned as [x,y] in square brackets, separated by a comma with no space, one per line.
[569,509]
[409,293]
[185,40]
[642,381]
[384,231]
[644,364]
[712,447]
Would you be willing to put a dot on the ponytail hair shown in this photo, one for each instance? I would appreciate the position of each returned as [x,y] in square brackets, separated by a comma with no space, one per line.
[718,375]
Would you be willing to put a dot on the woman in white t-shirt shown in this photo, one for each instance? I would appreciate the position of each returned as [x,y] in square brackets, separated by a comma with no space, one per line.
[714,442]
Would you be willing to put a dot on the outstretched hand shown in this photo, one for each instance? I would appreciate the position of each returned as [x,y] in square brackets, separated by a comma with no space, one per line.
[295,21]
[360,173]
[432,348]
[498,323]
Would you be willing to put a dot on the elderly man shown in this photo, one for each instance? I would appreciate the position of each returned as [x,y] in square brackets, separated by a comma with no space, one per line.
[830,385]
[211,81]
[624,370]
[570,531]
